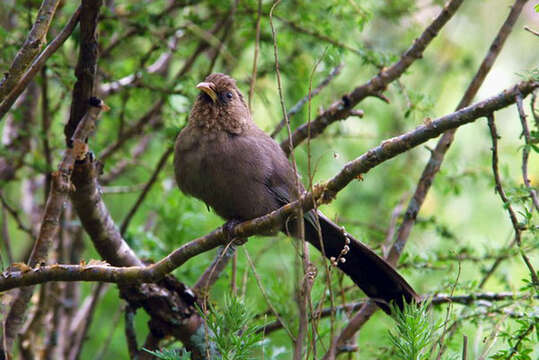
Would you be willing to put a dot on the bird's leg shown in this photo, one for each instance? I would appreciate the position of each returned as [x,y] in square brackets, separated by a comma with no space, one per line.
[229,226]
[228,229]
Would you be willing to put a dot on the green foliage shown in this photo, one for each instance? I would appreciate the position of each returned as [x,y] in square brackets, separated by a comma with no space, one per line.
[414,331]
[520,341]
[233,331]
[170,354]
[462,220]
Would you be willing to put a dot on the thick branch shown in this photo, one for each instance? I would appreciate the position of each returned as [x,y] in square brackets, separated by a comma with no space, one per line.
[322,193]
[86,64]
[61,185]
[436,159]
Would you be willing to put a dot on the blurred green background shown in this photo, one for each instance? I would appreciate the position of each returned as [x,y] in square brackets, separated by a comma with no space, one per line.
[462,214]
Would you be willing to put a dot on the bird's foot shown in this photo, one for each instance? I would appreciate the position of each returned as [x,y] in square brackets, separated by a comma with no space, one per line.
[228,229]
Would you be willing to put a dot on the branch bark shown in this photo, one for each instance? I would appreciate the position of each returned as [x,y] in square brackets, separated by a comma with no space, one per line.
[61,185]
[33,43]
[100,226]
[86,64]
[436,159]
[341,109]
[22,82]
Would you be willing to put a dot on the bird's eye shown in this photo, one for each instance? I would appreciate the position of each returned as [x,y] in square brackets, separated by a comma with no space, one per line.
[229,95]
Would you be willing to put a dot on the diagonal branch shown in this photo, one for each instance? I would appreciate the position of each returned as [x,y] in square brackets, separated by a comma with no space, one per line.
[61,185]
[160,165]
[38,63]
[299,105]
[33,43]
[341,109]
[435,161]
[322,193]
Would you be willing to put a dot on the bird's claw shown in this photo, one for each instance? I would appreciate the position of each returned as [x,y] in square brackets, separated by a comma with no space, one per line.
[228,229]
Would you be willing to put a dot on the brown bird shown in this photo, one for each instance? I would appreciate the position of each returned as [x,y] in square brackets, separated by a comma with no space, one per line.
[225,160]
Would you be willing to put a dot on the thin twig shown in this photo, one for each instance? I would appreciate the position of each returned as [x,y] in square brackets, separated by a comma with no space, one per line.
[15,215]
[80,338]
[160,165]
[374,87]
[507,204]
[30,48]
[526,153]
[440,341]
[114,323]
[39,61]
[301,296]
[45,126]
[255,59]
[527,28]
[299,105]
[516,347]
[309,269]
[5,238]
[265,295]
[489,342]
[210,276]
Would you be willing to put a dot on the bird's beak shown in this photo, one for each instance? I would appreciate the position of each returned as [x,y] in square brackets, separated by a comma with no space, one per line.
[208,87]
[105,107]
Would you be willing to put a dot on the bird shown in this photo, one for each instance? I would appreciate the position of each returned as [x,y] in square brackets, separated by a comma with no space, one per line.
[224,159]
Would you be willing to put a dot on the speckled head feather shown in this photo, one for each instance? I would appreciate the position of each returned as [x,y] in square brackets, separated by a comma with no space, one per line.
[220,106]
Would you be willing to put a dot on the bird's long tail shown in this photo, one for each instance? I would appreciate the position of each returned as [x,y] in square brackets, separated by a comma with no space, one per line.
[379,280]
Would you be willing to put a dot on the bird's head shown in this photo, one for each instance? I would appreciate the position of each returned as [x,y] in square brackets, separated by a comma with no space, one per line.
[220,105]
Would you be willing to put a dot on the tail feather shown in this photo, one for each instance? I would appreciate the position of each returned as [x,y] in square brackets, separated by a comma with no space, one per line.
[375,276]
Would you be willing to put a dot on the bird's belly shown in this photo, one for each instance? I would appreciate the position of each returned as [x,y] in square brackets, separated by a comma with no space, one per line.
[228,179]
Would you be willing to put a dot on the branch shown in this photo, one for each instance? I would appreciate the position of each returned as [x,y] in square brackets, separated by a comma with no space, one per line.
[16,137]
[526,153]
[160,165]
[61,185]
[30,48]
[86,68]
[38,63]
[506,203]
[169,303]
[15,215]
[437,299]
[157,67]
[322,193]
[299,105]
[437,156]
[212,273]
[341,109]
[527,28]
